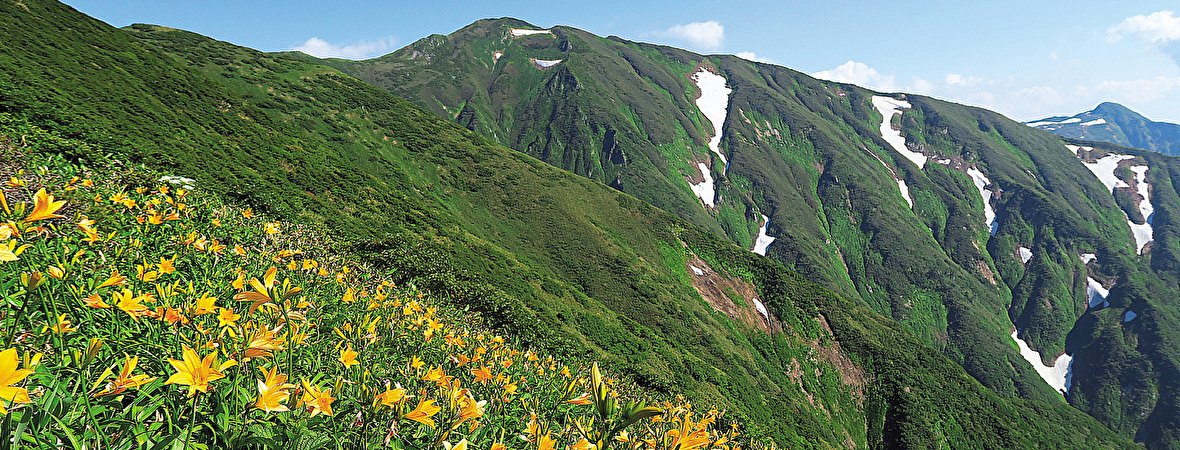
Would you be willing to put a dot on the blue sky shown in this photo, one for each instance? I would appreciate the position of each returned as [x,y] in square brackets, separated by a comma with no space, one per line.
[1025,59]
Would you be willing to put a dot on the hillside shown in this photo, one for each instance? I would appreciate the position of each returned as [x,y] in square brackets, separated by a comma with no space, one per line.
[560,261]
[978,234]
[1115,123]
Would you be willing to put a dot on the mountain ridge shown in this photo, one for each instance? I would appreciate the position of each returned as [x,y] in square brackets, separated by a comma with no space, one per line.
[931,232]
[1117,124]
[588,269]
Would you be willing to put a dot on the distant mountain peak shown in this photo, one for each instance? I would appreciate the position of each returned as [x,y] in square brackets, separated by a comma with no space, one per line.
[1115,123]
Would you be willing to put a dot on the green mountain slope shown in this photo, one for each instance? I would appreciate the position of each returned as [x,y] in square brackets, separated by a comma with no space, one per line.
[559,259]
[940,247]
[1117,124]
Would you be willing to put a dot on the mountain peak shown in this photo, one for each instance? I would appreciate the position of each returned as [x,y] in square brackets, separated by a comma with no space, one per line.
[1115,123]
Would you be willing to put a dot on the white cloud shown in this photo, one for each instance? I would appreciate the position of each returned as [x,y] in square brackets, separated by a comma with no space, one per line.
[1144,90]
[954,79]
[707,35]
[1053,56]
[859,74]
[358,50]
[1158,27]
[922,86]
[750,56]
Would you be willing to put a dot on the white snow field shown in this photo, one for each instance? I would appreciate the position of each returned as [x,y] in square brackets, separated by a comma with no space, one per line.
[905,192]
[1063,122]
[1025,254]
[763,241]
[705,189]
[1059,375]
[496,57]
[713,103]
[1129,316]
[1143,233]
[697,270]
[1098,121]
[1096,293]
[1104,170]
[1087,257]
[518,32]
[889,106]
[761,308]
[546,63]
[1075,148]
[989,214]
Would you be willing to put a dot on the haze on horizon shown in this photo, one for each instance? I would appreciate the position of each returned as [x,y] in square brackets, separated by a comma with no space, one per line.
[1027,60]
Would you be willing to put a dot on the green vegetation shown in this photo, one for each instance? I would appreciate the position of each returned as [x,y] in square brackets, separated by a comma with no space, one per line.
[559,261]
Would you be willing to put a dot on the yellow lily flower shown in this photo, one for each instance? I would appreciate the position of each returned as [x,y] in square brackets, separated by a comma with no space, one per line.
[44,207]
[273,391]
[390,397]
[423,412]
[197,373]
[9,375]
[316,400]
[227,318]
[62,326]
[348,357]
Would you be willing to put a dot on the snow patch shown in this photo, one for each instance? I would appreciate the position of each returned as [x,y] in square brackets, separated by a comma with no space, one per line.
[944,162]
[1087,257]
[1129,316]
[761,308]
[1096,293]
[705,189]
[1098,121]
[1143,233]
[1025,255]
[889,106]
[1059,375]
[496,56]
[518,32]
[1104,170]
[697,270]
[1073,148]
[186,183]
[713,102]
[1063,122]
[901,185]
[546,63]
[989,214]
[905,192]
[763,241]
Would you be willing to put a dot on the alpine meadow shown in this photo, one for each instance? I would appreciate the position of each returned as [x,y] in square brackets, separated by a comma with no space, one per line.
[516,238]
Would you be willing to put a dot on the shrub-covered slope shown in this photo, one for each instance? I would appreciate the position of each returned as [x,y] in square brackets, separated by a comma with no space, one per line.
[561,261]
[965,227]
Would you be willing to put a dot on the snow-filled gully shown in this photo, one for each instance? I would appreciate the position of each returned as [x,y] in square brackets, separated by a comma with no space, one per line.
[989,214]
[1104,168]
[713,103]
[1059,375]
[763,241]
[888,106]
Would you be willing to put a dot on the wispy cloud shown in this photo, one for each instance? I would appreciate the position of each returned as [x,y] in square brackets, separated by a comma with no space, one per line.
[750,56]
[358,50]
[705,35]
[859,74]
[1160,29]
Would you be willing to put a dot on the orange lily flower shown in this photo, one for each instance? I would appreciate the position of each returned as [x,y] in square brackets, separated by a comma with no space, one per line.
[126,380]
[348,357]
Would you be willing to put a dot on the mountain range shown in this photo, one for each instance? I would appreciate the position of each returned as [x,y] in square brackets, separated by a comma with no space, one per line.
[932,274]
[1115,123]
